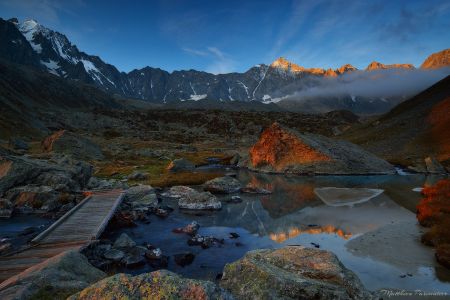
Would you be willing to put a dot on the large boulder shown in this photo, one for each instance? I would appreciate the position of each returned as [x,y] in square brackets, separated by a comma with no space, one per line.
[72,144]
[34,197]
[293,272]
[57,277]
[60,172]
[188,198]
[282,150]
[155,285]
[144,194]
[222,185]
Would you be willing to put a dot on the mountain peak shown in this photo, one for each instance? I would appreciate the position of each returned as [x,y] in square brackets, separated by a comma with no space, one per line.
[29,24]
[346,68]
[379,66]
[437,60]
[284,64]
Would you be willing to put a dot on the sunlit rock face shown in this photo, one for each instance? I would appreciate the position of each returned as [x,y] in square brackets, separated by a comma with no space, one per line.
[282,150]
[437,60]
[346,68]
[279,148]
[379,66]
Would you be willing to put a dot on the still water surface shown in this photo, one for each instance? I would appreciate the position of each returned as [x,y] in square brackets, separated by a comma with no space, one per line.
[378,239]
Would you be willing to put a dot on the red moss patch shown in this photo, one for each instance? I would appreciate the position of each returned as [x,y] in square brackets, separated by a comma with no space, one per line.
[434,211]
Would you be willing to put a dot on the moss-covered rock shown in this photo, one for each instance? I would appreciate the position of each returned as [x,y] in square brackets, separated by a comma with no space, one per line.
[292,272]
[155,285]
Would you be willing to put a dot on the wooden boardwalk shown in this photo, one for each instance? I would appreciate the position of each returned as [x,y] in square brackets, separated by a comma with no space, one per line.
[76,229]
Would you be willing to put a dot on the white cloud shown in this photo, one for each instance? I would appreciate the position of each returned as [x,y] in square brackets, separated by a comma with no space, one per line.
[220,62]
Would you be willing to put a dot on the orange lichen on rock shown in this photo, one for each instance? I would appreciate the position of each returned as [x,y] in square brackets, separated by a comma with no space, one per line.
[280,148]
[439,120]
[47,143]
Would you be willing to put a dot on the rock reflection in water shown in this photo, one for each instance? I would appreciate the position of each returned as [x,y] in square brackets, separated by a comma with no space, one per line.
[280,237]
[288,195]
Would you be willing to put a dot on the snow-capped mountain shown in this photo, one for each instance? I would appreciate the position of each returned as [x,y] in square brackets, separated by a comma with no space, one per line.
[53,52]
[31,43]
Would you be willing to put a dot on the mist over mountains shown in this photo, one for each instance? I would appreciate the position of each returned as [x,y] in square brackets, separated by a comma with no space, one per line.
[293,87]
[372,91]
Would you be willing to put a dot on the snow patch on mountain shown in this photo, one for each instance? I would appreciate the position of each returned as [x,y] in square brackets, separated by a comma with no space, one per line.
[198,97]
[52,66]
[29,28]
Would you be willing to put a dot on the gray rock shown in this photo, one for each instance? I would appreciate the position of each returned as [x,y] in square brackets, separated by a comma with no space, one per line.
[6,208]
[114,254]
[72,144]
[134,257]
[56,172]
[106,184]
[160,284]
[65,273]
[34,196]
[292,272]
[189,198]
[180,164]
[222,185]
[124,241]
[18,144]
[433,166]
[136,193]
[235,159]
[136,175]
[5,247]
[149,200]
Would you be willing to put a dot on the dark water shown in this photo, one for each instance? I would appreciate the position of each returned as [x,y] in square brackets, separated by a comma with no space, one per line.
[14,230]
[379,239]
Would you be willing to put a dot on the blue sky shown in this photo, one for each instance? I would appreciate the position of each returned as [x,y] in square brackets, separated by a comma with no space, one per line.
[226,36]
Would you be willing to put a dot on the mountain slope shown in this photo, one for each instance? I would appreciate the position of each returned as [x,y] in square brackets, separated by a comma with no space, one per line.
[27,95]
[413,130]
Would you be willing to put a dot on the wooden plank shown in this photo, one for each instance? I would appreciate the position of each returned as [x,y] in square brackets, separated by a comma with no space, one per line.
[59,221]
[74,230]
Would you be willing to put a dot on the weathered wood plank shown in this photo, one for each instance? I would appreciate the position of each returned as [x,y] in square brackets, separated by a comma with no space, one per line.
[74,230]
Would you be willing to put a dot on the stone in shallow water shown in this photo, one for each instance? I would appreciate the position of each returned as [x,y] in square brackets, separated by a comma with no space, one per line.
[222,185]
[333,196]
[293,272]
[114,254]
[124,241]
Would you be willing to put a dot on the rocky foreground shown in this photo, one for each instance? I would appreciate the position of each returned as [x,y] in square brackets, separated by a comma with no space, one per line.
[293,272]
